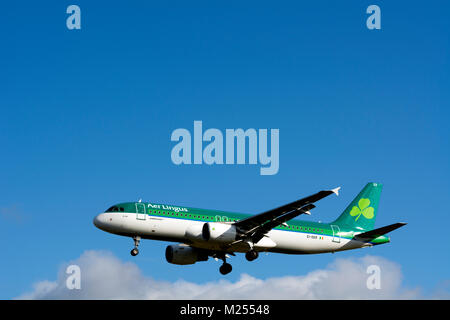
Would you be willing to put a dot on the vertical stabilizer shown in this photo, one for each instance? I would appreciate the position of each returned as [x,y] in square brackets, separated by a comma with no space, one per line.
[362,211]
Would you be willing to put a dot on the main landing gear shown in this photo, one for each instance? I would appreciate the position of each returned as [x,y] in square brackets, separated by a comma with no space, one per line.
[225,268]
[135,251]
[251,255]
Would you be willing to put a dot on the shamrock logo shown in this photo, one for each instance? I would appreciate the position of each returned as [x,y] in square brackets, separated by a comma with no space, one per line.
[362,209]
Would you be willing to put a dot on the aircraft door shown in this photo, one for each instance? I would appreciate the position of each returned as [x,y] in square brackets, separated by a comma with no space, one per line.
[140,211]
[336,231]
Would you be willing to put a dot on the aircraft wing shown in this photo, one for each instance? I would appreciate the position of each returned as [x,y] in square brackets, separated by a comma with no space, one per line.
[256,226]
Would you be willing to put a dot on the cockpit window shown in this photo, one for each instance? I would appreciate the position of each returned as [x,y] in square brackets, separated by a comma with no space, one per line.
[123,207]
[113,209]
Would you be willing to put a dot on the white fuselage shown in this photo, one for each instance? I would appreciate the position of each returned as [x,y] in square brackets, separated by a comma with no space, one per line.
[188,231]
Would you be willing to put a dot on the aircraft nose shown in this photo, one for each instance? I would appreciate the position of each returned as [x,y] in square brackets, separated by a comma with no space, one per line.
[99,220]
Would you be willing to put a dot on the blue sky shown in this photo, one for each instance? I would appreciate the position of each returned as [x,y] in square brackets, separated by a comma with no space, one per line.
[86,117]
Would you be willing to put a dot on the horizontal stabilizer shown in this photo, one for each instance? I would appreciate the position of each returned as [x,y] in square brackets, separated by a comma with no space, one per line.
[372,234]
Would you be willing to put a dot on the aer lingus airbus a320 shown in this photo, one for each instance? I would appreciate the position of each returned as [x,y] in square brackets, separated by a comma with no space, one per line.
[218,234]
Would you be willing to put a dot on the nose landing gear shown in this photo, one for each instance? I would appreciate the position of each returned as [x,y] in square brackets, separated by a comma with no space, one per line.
[134,252]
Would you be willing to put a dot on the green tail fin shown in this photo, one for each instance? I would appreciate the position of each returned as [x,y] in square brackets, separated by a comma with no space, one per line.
[362,211]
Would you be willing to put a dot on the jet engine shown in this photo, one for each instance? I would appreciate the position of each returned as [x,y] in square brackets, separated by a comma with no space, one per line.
[219,232]
[182,254]
[194,232]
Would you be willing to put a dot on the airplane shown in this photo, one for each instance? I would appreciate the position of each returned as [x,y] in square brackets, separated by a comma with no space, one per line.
[204,233]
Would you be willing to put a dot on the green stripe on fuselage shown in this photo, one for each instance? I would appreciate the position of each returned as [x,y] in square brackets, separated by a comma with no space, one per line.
[204,215]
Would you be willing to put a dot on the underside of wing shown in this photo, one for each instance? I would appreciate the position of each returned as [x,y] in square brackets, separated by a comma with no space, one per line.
[266,227]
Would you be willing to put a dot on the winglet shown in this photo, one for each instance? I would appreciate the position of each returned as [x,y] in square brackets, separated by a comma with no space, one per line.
[336,190]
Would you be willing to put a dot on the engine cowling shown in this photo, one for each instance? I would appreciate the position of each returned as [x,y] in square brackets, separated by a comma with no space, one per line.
[194,232]
[219,232]
[182,255]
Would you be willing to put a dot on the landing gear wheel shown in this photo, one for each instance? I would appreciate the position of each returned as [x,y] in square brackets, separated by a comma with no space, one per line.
[135,251]
[251,255]
[225,268]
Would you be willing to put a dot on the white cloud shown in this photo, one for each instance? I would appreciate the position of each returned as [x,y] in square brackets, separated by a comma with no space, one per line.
[104,276]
